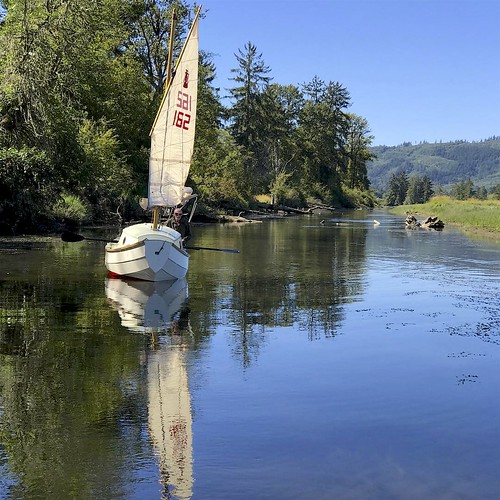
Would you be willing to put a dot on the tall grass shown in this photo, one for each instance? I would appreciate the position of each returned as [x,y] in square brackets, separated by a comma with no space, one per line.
[70,207]
[469,214]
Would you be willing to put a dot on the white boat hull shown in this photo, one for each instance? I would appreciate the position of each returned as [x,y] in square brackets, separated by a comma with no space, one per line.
[148,254]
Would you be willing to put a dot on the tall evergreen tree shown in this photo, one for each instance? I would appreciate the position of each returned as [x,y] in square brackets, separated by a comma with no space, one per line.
[217,170]
[462,190]
[283,104]
[427,189]
[248,114]
[358,143]
[397,189]
[323,132]
[414,192]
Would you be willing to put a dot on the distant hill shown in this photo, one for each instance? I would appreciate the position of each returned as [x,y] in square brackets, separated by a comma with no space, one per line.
[444,163]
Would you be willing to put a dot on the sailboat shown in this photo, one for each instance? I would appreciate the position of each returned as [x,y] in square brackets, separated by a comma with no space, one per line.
[153,251]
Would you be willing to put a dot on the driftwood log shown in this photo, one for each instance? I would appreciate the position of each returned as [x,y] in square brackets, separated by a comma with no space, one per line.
[432,222]
[260,211]
[234,218]
[268,208]
[319,206]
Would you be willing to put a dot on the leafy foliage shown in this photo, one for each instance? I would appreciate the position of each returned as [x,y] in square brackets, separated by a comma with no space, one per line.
[63,91]
[69,206]
[419,190]
[27,189]
[106,178]
[80,83]
[398,187]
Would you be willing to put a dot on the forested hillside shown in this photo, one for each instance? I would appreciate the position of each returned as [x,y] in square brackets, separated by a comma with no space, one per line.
[444,163]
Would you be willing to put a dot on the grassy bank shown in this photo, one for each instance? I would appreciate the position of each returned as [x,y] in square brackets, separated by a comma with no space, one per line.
[471,215]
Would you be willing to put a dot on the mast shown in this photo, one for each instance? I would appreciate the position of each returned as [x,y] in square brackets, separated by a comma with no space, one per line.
[169,77]
[156,210]
[173,130]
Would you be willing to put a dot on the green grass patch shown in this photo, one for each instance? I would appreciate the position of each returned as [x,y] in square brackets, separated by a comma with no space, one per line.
[263,198]
[70,207]
[470,214]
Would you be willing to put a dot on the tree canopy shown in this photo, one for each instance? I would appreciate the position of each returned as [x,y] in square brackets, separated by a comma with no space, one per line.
[80,83]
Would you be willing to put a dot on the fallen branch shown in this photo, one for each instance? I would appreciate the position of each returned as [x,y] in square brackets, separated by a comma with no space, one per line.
[319,206]
[431,222]
[292,210]
[233,218]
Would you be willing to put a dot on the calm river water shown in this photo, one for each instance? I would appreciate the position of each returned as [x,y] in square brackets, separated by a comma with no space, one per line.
[342,360]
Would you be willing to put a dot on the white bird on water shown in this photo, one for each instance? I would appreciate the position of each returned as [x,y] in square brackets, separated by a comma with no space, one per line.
[376,222]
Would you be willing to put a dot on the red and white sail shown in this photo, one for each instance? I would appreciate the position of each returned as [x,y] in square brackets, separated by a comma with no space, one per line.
[172,135]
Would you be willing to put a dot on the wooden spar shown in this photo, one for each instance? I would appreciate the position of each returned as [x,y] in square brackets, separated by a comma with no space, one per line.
[169,79]
[171,48]
[156,217]
[156,210]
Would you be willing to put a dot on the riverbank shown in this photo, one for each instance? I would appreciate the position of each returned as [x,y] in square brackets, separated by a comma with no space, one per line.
[473,216]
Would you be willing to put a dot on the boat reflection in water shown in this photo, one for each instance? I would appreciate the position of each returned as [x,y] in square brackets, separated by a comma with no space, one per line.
[160,309]
[147,306]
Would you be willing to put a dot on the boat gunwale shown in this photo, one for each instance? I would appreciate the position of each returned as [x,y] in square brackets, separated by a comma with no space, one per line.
[141,243]
[124,248]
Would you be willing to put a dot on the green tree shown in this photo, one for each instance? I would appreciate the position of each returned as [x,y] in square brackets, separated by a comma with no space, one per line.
[151,35]
[462,190]
[482,193]
[414,192]
[283,105]
[67,75]
[27,187]
[440,190]
[108,180]
[359,154]
[248,114]
[217,171]
[322,134]
[397,189]
[427,189]
[419,190]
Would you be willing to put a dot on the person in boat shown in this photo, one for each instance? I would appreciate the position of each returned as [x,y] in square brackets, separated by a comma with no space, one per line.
[181,225]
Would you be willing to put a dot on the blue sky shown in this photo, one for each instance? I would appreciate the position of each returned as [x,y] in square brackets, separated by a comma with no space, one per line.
[417,70]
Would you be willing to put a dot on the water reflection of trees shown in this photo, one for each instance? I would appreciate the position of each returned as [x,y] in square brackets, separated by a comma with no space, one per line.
[73,380]
[287,275]
[70,422]
[76,387]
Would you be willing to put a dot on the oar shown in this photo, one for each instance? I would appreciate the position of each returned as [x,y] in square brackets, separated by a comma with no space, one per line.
[227,250]
[73,237]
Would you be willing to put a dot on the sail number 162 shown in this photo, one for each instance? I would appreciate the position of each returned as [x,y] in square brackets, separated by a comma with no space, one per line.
[181,118]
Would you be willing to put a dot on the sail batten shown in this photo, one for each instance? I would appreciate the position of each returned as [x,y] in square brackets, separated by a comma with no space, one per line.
[172,135]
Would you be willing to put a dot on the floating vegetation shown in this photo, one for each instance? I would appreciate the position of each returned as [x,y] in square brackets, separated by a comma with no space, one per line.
[464,379]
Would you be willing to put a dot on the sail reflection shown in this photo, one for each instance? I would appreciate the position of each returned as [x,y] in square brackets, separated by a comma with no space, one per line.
[160,308]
